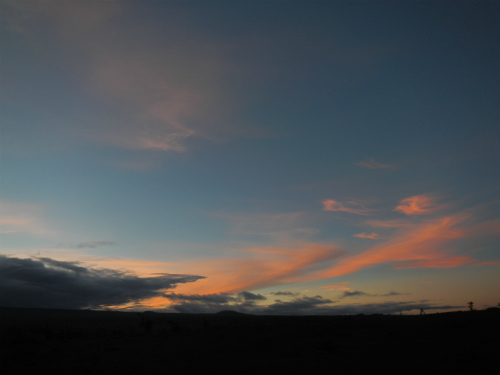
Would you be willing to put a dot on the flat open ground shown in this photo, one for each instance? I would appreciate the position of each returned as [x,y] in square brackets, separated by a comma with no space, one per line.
[86,342]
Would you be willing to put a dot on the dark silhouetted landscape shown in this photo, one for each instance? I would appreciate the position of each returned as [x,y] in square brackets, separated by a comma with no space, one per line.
[85,341]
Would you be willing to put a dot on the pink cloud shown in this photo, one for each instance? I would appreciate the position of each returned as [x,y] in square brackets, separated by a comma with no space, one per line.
[372,236]
[160,94]
[259,267]
[418,205]
[425,244]
[371,163]
[350,206]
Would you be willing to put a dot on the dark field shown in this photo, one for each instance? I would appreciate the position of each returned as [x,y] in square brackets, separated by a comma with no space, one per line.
[88,342]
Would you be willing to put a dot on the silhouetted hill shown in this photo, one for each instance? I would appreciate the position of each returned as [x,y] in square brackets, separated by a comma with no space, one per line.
[80,342]
[230,312]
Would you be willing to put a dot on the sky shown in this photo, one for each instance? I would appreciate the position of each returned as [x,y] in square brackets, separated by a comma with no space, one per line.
[268,157]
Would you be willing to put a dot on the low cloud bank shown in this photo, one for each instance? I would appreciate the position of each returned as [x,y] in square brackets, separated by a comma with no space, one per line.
[299,305]
[48,283]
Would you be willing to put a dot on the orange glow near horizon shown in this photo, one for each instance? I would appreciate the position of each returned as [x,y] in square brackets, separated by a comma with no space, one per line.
[426,244]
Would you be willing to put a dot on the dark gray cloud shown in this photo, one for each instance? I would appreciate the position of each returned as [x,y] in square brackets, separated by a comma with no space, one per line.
[299,305]
[358,293]
[355,293]
[305,305]
[206,298]
[48,283]
[247,296]
[212,303]
[291,294]
[390,294]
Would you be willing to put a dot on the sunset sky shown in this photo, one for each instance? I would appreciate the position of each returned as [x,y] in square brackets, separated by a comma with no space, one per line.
[273,157]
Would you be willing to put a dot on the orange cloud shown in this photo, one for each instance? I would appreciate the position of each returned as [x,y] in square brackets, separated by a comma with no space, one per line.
[372,236]
[418,205]
[425,244]
[259,267]
[351,207]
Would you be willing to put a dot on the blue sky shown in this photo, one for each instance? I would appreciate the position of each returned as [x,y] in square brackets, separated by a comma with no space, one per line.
[343,151]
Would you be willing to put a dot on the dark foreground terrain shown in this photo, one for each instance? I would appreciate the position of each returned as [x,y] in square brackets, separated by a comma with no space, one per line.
[88,342]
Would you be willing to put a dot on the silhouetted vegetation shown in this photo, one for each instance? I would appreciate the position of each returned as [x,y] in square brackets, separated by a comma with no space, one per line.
[79,342]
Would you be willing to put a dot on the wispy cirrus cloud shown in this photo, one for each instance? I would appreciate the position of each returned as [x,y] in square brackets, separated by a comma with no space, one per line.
[425,244]
[371,163]
[371,236]
[152,95]
[280,227]
[21,217]
[255,268]
[86,245]
[349,206]
[419,205]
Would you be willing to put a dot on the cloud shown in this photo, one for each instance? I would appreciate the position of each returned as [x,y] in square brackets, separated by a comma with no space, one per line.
[217,298]
[372,236]
[48,283]
[419,205]
[291,294]
[280,227]
[306,305]
[21,217]
[355,293]
[94,244]
[298,306]
[392,293]
[258,267]
[350,206]
[371,163]
[212,303]
[427,243]
[141,92]
[247,296]
[87,245]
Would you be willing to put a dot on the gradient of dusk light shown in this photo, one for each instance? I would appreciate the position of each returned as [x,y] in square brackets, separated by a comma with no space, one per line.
[262,157]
